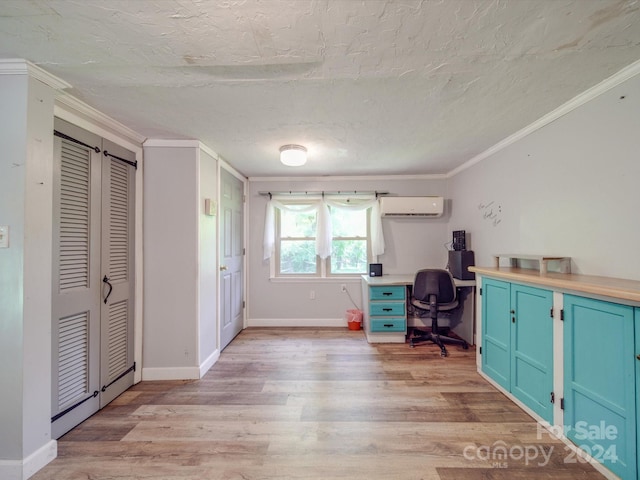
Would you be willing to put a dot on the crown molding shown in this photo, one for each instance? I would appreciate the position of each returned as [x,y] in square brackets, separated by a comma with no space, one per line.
[65,101]
[172,143]
[437,176]
[613,81]
[209,151]
[69,102]
[19,66]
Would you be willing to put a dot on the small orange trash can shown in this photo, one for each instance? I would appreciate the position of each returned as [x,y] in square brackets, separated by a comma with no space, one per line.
[354,319]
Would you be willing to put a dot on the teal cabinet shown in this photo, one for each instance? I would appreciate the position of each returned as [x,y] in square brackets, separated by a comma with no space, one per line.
[517,342]
[636,325]
[600,381]
[496,331]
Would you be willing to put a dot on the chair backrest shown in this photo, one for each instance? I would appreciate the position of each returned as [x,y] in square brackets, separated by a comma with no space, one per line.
[434,281]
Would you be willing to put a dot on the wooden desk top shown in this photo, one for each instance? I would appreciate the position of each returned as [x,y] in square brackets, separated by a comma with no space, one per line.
[616,288]
[407,279]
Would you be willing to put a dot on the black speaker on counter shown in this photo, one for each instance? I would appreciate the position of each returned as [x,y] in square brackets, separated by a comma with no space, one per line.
[459,263]
[375,269]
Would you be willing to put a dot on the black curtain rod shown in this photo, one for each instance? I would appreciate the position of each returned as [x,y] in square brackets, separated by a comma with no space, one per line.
[322,192]
[71,139]
[129,162]
[95,149]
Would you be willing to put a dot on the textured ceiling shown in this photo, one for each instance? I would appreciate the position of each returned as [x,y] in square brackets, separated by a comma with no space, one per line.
[369,87]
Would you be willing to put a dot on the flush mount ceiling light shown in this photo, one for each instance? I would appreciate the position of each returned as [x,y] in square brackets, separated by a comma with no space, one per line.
[293,155]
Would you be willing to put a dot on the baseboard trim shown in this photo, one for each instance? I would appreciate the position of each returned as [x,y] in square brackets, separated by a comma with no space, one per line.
[209,362]
[297,322]
[26,468]
[171,373]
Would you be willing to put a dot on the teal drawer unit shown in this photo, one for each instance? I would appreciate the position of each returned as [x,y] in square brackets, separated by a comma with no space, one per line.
[600,381]
[387,308]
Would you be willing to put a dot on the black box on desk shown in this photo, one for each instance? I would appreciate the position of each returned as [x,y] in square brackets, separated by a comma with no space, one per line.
[459,263]
[375,269]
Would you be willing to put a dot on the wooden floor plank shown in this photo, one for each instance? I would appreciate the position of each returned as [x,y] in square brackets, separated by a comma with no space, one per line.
[310,403]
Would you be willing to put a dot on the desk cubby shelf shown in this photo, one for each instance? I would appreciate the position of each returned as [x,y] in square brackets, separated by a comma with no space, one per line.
[564,263]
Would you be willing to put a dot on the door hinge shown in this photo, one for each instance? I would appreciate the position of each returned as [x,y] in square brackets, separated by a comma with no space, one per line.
[480,350]
[562,314]
[553,398]
[480,291]
[243,304]
[244,251]
[562,404]
[551,312]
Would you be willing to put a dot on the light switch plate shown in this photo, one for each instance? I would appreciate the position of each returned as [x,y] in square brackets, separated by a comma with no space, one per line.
[210,207]
[4,236]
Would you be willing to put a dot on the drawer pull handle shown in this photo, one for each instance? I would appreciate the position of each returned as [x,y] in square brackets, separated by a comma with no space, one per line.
[388,325]
[638,357]
[387,293]
[387,309]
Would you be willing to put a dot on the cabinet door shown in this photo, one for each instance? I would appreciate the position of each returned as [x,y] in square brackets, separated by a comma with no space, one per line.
[496,331]
[532,348]
[599,381]
[637,372]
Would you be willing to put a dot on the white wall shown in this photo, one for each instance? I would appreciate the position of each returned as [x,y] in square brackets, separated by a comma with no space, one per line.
[26,179]
[180,294]
[171,262]
[410,243]
[571,189]
[208,257]
[13,97]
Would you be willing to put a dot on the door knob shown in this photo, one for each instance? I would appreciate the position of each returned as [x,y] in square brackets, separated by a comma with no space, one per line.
[223,268]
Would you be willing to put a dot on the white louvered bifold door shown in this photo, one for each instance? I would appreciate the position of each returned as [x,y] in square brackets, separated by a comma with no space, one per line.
[118,183]
[76,285]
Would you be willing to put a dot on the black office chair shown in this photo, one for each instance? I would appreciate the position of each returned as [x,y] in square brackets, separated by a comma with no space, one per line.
[434,291]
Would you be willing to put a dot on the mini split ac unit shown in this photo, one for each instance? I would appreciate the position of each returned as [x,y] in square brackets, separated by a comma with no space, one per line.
[428,207]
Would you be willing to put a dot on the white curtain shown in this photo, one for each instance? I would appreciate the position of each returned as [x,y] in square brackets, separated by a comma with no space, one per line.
[323,220]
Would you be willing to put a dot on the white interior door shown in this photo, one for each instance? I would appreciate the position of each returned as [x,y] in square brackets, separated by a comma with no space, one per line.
[231,257]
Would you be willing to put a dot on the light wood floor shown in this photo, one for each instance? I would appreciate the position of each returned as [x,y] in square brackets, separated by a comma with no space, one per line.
[316,404]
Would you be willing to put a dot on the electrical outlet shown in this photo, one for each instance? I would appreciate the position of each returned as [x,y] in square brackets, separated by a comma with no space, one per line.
[343,287]
[312,295]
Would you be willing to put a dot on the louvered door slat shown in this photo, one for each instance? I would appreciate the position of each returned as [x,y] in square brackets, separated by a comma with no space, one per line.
[118,341]
[119,222]
[74,216]
[73,353]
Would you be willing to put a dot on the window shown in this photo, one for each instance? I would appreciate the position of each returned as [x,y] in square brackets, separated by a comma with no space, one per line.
[296,243]
[350,242]
[297,235]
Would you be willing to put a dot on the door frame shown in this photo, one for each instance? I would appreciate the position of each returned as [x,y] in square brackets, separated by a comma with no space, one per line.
[224,165]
